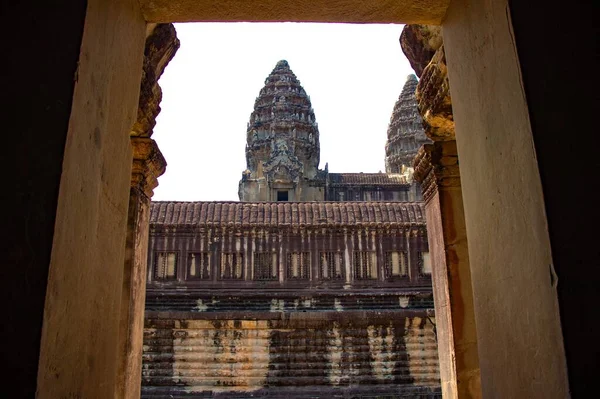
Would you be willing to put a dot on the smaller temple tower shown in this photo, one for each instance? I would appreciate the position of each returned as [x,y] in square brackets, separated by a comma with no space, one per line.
[405,136]
[282,143]
[405,133]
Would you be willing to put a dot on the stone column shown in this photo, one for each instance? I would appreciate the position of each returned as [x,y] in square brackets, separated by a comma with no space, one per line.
[437,169]
[148,165]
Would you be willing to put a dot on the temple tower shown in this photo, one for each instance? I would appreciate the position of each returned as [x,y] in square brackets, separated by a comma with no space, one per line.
[282,143]
[405,133]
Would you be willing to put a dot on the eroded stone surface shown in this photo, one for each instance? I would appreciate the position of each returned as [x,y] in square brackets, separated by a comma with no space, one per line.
[161,45]
[392,353]
[423,46]
[419,43]
[434,101]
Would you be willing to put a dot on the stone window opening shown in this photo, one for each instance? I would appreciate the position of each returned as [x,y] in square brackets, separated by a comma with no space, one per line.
[365,265]
[231,266]
[424,263]
[282,195]
[298,265]
[265,266]
[165,266]
[331,265]
[396,264]
[198,266]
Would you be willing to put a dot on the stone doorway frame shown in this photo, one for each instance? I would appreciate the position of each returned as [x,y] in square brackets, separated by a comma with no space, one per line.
[80,359]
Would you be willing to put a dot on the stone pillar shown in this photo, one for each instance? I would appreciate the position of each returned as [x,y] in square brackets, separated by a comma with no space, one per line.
[148,165]
[436,168]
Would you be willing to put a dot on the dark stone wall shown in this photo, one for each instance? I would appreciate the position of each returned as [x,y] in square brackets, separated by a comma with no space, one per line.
[557,46]
[38,69]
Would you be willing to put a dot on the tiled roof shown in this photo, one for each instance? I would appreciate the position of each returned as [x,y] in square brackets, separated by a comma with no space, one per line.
[286,213]
[379,179]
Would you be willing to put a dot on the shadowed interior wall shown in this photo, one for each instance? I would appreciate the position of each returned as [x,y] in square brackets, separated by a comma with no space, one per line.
[78,355]
[557,65]
[39,59]
[516,306]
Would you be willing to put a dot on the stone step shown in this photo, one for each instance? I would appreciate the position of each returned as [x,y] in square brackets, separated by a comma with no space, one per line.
[306,392]
[259,381]
[250,345]
[383,374]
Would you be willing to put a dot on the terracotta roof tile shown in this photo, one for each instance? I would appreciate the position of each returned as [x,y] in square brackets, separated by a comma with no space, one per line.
[378,179]
[286,213]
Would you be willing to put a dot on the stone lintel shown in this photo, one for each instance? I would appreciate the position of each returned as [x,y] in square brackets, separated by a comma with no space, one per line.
[148,165]
[345,11]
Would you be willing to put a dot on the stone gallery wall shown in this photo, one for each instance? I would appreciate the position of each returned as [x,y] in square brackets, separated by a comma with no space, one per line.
[331,298]
[332,354]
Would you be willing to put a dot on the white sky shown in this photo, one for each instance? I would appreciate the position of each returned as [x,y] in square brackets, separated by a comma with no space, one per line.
[352,73]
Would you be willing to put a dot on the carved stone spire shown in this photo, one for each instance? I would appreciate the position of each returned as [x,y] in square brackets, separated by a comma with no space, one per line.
[405,133]
[282,131]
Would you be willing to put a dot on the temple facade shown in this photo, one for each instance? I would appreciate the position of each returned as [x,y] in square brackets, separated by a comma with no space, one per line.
[315,284]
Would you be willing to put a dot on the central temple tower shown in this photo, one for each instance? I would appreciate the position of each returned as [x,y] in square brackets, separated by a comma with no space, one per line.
[282,143]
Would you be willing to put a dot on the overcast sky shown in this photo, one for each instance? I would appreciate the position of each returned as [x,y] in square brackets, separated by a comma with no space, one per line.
[352,73]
